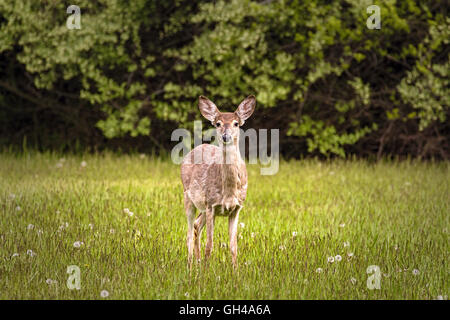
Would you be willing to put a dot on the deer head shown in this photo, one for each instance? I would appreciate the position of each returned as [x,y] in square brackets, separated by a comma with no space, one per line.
[227,123]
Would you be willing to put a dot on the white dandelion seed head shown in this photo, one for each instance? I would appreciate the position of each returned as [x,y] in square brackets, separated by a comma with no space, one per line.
[282,247]
[30,226]
[112,231]
[18,208]
[319,270]
[294,234]
[186,294]
[12,196]
[49,281]
[130,214]
[346,244]
[350,254]
[91,226]
[15,254]
[338,258]
[77,244]
[223,245]
[83,164]
[104,294]
[330,259]
[252,234]
[353,280]
[342,225]
[39,232]
[31,253]
[242,225]
[415,272]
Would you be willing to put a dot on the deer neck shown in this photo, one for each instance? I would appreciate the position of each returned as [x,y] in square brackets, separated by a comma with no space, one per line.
[230,169]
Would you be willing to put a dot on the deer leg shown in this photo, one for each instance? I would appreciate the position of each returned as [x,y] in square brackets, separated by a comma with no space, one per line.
[198,227]
[232,232]
[190,214]
[209,231]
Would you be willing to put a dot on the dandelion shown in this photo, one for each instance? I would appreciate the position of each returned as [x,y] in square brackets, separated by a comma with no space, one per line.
[83,164]
[31,253]
[128,212]
[319,270]
[346,244]
[350,254]
[415,272]
[294,234]
[112,231]
[330,259]
[252,234]
[186,294]
[30,226]
[18,208]
[91,226]
[104,294]
[242,225]
[223,245]
[282,247]
[342,225]
[148,214]
[338,258]
[353,281]
[77,244]
[396,247]
[15,254]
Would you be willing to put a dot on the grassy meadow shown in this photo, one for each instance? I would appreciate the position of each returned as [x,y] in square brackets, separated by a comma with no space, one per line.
[308,232]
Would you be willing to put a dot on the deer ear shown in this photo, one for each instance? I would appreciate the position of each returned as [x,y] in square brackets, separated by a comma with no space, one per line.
[246,108]
[207,108]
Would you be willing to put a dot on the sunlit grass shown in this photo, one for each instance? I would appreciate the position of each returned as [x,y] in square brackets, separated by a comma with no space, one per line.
[392,214]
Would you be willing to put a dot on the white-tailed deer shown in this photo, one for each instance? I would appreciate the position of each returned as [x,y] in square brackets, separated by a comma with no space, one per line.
[215,178]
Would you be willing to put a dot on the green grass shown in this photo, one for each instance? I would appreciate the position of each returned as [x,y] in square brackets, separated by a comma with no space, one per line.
[392,214]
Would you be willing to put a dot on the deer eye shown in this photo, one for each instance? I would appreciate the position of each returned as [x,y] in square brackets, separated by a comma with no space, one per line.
[236,124]
[217,124]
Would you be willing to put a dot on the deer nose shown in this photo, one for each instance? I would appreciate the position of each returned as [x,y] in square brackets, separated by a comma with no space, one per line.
[226,138]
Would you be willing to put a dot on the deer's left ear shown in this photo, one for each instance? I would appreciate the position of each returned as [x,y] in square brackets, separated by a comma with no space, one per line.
[246,108]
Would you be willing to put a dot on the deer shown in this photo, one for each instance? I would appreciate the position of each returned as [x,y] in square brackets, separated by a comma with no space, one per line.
[214,178]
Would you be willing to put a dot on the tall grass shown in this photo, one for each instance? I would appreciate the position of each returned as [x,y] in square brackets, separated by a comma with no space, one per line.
[391,214]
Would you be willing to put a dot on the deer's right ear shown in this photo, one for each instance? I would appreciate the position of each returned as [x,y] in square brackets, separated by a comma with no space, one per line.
[207,108]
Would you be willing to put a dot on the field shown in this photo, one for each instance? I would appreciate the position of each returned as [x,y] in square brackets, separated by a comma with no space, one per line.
[60,212]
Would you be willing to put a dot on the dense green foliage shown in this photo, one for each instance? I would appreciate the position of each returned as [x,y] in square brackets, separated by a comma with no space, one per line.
[393,215]
[135,69]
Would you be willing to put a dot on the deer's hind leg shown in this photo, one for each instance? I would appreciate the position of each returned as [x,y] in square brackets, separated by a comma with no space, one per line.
[198,227]
[190,214]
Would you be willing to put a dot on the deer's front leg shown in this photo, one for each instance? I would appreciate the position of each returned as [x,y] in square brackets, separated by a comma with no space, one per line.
[232,232]
[209,231]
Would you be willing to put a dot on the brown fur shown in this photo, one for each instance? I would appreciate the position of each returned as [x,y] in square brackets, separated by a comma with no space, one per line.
[215,179]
